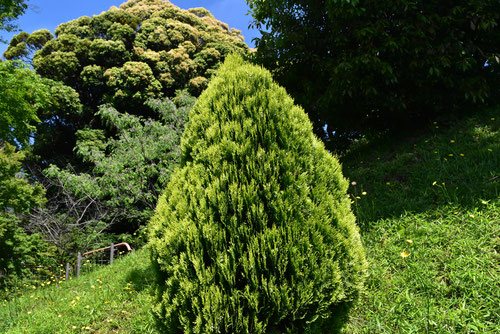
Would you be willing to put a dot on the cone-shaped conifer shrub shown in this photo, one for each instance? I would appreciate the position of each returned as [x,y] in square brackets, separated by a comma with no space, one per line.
[254,233]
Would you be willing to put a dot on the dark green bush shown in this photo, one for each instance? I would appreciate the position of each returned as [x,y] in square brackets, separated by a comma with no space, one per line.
[364,67]
[22,255]
[254,233]
[20,252]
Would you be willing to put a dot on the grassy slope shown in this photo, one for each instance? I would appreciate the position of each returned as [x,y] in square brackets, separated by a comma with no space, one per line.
[429,211]
[430,222]
[114,299]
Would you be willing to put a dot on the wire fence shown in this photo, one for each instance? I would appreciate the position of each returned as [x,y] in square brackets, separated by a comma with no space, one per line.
[88,261]
[55,274]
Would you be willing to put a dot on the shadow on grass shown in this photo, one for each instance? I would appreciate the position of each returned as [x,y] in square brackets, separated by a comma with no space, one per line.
[141,278]
[458,165]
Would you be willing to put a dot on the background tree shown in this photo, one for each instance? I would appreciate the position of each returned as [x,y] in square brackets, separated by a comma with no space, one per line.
[9,11]
[108,163]
[24,45]
[254,232]
[20,252]
[143,49]
[30,104]
[371,66]
[126,174]
[23,92]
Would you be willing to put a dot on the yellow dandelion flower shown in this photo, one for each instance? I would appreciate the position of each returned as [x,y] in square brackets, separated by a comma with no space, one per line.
[404,254]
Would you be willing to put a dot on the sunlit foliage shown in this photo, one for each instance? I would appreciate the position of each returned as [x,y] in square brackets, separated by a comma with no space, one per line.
[254,233]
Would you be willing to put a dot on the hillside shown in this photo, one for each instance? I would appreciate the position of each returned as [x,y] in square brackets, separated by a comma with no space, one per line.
[430,218]
[113,299]
[429,211]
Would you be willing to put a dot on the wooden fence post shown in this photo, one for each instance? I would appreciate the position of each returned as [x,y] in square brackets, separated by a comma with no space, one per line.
[78,264]
[67,271]
[111,253]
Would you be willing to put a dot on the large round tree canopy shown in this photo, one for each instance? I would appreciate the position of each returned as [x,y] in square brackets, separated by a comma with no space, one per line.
[254,233]
[144,48]
[124,56]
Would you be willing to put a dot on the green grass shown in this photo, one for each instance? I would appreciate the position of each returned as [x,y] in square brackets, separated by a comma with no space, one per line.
[429,213]
[114,299]
[459,165]
[433,272]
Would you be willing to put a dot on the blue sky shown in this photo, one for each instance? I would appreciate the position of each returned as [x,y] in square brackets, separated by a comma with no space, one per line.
[49,14]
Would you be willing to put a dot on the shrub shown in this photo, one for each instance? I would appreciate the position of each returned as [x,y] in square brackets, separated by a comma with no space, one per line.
[254,232]
[20,252]
[22,255]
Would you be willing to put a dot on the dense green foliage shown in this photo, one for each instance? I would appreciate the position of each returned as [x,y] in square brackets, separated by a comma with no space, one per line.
[19,252]
[27,103]
[22,93]
[9,11]
[254,233]
[126,55]
[366,66]
[17,195]
[32,106]
[127,172]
